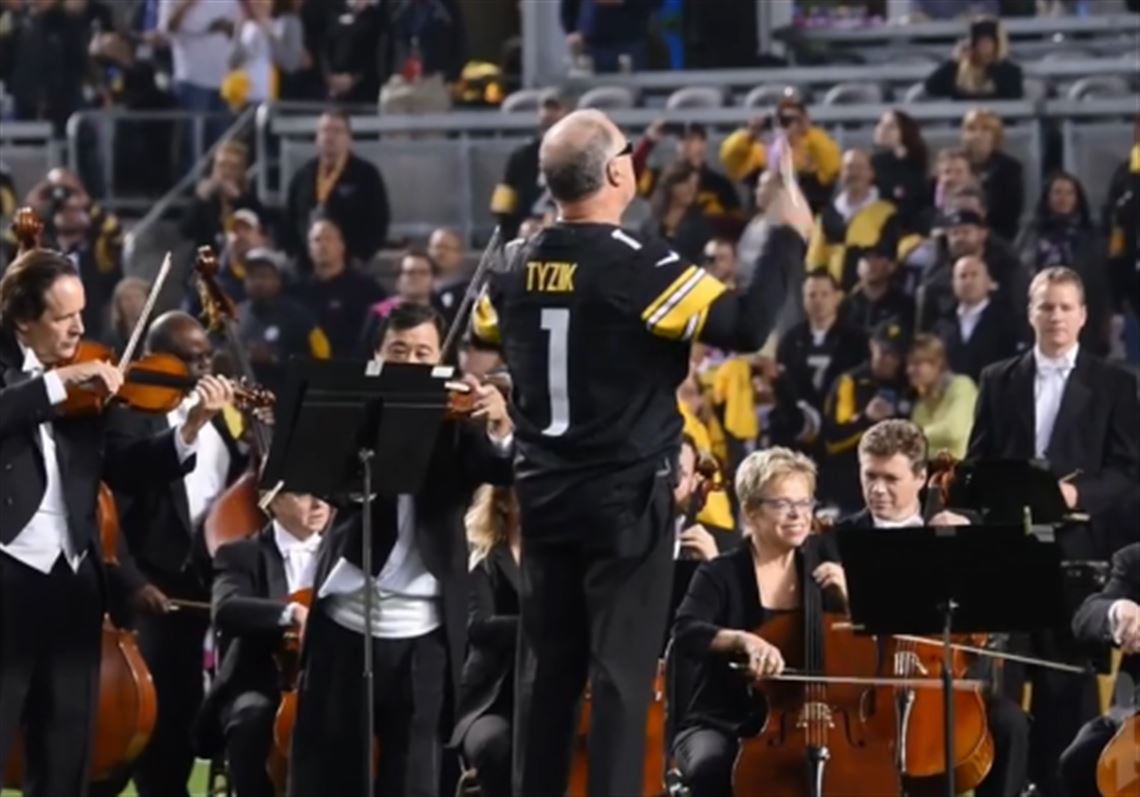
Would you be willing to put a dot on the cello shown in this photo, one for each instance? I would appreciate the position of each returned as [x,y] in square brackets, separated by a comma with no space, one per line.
[1117,774]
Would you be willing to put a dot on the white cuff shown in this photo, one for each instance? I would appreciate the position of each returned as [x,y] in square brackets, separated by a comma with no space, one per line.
[57,393]
[286,618]
[182,448]
[502,444]
[1114,620]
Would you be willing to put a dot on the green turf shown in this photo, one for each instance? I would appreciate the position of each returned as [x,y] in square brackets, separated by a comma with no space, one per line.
[197,783]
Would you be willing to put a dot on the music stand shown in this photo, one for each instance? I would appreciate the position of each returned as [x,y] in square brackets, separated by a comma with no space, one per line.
[1006,490]
[337,423]
[961,579]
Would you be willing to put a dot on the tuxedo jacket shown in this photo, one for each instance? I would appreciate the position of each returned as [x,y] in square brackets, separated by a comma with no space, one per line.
[1091,623]
[161,542]
[996,337]
[86,454]
[463,457]
[1096,431]
[492,634]
[250,591]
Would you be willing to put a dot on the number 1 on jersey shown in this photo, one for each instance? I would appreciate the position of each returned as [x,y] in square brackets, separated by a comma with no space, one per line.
[556,321]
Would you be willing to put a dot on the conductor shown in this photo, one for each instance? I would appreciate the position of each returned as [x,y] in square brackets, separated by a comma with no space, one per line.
[596,327]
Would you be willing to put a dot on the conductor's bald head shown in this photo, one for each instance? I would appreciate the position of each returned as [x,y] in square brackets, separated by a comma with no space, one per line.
[583,161]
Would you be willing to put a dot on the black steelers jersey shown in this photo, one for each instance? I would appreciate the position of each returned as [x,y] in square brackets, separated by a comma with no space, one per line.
[596,327]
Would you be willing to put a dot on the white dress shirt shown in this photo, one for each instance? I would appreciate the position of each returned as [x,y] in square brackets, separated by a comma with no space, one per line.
[299,556]
[1048,388]
[914,520]
[46,536]
[968,318]
[208,479]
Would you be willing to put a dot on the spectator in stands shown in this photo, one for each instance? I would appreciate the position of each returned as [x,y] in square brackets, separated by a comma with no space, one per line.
[445,248]
[7,210]
[953,170]
[69,228]
[871,392]
[999,173]
[127,302]
[428,45]
[1121,212]
[676,217]
[717,197]
[751,242]
[980,68]
[522,191]
[877,296]
[305,81]
[922,248]
[720,260]
[210,214]
[1062,234]
[816,155]
[978,331]
[900,166]
[413,286]
[337,185]
[272,326]
[944,401]
[263,47]
[244,235]
[855,219]
[615,36]
[336,294]
[198,33]
[48,63]
[478,358]
[811,356]
[354,53]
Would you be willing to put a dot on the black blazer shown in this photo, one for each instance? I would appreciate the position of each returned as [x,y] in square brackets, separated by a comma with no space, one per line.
[86,454]
[996,337]
[1090,623]
[1096,430]
[723,594]
[463,459]
[156,522]
[492,635]
[250,592]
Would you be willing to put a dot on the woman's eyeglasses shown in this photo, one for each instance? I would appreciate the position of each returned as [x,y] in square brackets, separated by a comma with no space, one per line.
[784,506]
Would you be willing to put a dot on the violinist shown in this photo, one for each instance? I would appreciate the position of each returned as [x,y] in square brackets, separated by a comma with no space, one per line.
[736,592]
[251,607]
[486,702]
[166,559]
[892,473]
[1111,615]
[418,630]
[51,598]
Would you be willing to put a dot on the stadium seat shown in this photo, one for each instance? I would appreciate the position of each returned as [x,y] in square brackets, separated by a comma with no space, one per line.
[523,100]
[853,94]
[695,97]
[1035,88]
[917,93]
[1099,86]
[608,98]
[769,94]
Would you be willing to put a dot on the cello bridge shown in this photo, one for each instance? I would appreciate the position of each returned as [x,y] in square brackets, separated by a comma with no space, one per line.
[815,713]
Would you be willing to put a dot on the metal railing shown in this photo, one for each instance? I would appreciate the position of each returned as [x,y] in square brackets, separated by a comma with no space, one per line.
[29,149]
[950,30]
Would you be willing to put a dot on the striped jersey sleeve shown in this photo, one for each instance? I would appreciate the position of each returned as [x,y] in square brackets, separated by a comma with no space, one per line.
[673,295]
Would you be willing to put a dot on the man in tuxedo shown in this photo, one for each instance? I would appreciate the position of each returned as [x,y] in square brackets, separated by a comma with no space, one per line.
[1064,405]
[892,473]
[1111,615]
[254,603]
[52,595]
[166,558]
[418,627]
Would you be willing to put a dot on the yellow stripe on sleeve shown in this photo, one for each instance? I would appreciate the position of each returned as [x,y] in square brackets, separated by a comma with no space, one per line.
[678,315]
[485,321]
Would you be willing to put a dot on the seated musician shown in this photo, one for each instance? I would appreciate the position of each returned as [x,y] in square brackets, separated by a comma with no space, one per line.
[254,580]
[1112,615]
[419,621]
[892,472]
[486,698]
[736,592]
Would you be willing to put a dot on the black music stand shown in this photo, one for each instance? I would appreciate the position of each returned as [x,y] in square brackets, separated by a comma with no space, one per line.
[338,423]
[961,579]
[1009,491]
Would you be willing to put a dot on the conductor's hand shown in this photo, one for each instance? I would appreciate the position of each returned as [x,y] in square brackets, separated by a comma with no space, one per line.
[490,404]
[763,658]
[214,393]
[151,600]
[831,574]
[1126,625]
[98,376]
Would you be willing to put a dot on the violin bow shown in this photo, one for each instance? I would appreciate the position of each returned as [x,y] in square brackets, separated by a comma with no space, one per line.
[144,317]
[474,288]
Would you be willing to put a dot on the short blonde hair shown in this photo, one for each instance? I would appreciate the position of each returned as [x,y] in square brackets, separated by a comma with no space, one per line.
[1056,275]
[493,510]
[989,120]
[761,468]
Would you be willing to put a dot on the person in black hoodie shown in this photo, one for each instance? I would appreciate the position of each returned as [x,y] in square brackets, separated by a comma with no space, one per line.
[1000,174]
[900,164]
[1062,234]
[677,218]
[980,68]
[356,56]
